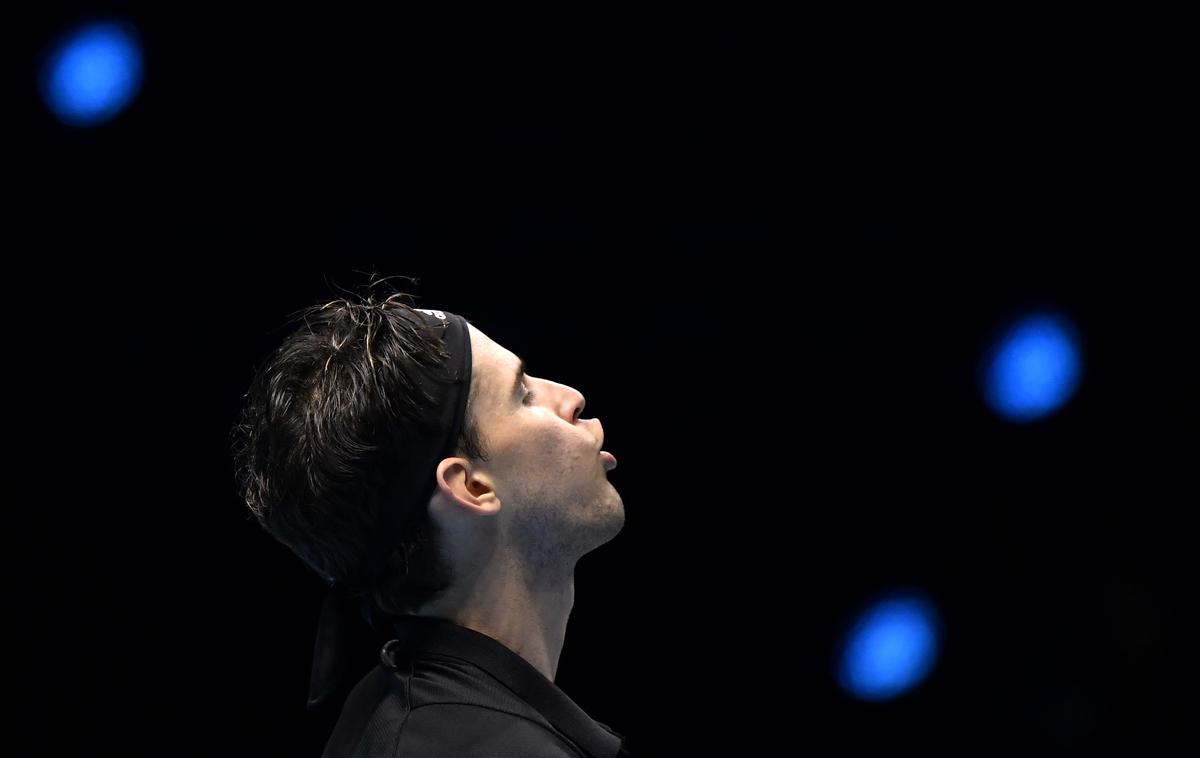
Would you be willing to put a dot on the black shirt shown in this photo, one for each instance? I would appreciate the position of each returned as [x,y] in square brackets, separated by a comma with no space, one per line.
[442,689]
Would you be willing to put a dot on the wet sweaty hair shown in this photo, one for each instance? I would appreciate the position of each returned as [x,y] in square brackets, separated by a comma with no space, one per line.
[337,444]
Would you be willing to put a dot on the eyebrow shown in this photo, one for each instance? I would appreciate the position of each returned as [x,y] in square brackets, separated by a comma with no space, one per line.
[516,385]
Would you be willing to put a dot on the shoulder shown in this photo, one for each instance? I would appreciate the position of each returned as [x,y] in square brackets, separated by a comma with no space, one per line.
[473,730]
[391,716]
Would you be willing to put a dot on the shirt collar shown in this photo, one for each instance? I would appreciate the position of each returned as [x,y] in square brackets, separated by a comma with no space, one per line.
[435,635]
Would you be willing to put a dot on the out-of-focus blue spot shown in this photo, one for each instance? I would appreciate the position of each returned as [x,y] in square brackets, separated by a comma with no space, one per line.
[1032,369]
[891,647]
[92,73]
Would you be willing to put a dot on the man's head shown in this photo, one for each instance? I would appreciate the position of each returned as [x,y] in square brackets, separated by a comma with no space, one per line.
[334,413]
[542,499]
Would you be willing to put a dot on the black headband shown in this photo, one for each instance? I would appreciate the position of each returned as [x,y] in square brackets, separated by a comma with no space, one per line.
[436,431]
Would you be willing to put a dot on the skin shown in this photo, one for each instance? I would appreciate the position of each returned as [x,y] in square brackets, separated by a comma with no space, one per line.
[515,526]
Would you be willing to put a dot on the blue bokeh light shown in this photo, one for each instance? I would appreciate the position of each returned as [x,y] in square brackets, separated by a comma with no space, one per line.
[92,73]
[891,647]
[1033,368]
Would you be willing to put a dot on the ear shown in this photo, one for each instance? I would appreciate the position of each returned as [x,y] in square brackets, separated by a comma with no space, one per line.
[463,490]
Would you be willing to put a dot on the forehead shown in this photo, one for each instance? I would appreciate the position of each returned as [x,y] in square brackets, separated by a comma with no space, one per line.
[492,366]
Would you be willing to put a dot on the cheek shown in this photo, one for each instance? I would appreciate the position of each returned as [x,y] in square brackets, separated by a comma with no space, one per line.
[558,452]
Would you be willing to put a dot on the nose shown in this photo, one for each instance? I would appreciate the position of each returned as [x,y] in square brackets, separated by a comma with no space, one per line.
[569,401]
[573,402]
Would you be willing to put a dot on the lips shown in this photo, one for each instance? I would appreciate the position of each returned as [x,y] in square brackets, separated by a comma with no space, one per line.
[610,460]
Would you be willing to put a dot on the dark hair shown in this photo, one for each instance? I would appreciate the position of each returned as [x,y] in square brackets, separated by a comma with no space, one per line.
[324,415]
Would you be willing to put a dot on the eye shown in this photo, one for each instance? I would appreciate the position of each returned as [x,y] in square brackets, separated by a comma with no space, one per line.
[528,397]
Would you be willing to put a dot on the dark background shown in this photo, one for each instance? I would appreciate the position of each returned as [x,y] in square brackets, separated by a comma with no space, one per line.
[768,247]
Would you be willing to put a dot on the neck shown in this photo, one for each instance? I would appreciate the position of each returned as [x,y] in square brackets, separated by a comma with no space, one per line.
[529,619]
